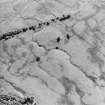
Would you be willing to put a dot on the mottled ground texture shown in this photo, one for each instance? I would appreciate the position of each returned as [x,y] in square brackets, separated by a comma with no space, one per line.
[52,52]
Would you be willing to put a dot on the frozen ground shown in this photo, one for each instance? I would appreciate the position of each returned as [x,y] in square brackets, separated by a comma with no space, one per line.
[52,52]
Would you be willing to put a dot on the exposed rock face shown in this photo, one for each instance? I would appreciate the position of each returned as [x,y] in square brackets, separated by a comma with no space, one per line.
[52,52]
